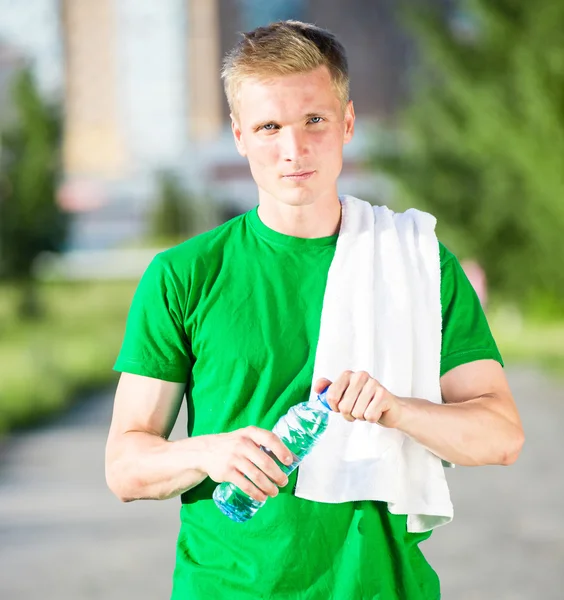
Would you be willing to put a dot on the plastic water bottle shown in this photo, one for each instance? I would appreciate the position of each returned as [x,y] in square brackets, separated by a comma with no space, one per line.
[299,429]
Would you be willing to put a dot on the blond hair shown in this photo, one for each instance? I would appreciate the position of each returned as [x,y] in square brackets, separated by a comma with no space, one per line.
[285,48]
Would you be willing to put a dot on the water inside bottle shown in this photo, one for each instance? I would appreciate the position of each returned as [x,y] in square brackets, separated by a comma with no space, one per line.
[299,430]
[234,503]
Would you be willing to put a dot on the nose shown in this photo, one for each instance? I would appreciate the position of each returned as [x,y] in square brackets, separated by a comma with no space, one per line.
[294,144]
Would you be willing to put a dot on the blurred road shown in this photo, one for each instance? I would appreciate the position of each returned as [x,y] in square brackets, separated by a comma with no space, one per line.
[63,536]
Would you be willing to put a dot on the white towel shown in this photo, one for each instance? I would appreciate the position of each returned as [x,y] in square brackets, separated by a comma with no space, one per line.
[381,314]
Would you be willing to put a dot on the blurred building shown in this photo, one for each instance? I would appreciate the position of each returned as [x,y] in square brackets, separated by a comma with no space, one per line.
[140,82]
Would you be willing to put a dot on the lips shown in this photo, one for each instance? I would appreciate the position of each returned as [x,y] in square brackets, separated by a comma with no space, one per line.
[299,175]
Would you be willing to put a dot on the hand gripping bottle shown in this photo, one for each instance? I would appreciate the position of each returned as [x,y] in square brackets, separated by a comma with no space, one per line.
[300,429]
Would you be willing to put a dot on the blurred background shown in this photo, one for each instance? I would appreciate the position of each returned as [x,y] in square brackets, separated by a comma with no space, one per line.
[115,144]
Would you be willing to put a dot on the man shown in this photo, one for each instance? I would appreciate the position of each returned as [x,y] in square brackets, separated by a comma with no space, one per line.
[231,318]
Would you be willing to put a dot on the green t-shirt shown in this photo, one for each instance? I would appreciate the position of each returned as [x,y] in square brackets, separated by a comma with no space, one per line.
[235,313]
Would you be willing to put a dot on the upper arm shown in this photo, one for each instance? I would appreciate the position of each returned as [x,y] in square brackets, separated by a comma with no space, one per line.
[154,360]
[466,335]
[156,341]
[480,381]
[145,404]
[471,365]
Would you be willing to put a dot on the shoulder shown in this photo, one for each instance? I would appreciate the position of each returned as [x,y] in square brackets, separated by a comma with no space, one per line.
[201,249]
[411,221]
[446,256]
[420,223]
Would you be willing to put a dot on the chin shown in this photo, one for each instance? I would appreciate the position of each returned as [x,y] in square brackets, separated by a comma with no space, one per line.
[297,198]
[298,201]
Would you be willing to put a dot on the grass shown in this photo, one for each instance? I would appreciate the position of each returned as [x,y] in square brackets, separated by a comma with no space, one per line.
[47,363]
[529,341]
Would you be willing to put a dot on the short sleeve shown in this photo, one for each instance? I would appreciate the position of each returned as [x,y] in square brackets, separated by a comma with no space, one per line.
[466,334]
[155,343]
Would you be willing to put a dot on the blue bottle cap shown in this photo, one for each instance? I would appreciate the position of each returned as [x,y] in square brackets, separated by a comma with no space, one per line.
[322,397]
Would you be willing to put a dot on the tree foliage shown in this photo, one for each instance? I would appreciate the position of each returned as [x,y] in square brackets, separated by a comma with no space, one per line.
[175,215]
[31,221]
[481,144]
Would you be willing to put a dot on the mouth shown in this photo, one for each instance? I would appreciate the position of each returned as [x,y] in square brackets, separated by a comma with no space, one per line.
[299,175]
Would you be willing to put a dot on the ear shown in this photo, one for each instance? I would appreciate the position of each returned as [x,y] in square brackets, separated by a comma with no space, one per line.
[349,122]
[238,136]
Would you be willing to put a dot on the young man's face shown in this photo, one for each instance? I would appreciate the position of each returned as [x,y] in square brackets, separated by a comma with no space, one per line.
[292,130]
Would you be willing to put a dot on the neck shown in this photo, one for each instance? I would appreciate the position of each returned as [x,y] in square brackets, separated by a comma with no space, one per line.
[311,221]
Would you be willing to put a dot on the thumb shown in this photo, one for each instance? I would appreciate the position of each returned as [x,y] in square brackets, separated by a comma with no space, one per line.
[320,385]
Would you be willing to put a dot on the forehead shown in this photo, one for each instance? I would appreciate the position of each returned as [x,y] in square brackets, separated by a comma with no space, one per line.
[287,95]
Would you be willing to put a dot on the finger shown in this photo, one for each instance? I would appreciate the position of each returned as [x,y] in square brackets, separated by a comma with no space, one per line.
[337,389]
[364,399]
[378,405]
[247,486]
[320,385]
[264,459]
[261,481]
[356,385]
[262,437]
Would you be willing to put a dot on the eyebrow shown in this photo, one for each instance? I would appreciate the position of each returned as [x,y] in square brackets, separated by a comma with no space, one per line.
[319,113]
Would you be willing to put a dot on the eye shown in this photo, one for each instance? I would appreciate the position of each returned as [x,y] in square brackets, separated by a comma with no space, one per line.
[270,127]
[316,120]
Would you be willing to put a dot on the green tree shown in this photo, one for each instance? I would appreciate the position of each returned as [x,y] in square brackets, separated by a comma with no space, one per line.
[481,144]
[175,217]
[31,221]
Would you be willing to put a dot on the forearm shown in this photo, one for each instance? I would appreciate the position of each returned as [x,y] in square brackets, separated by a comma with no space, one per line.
[466,433]
[141,465]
